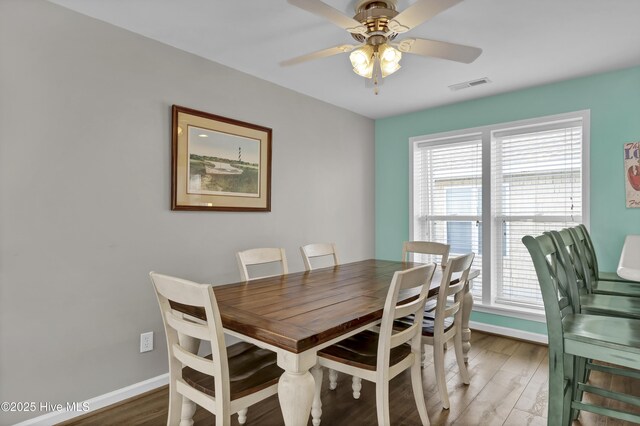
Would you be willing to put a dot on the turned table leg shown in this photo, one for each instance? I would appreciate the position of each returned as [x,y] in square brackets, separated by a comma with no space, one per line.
[296,387]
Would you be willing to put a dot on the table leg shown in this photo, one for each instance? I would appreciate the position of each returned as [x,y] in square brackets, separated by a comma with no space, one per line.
[316,406]
[296,387]
[188,407]
[467,305]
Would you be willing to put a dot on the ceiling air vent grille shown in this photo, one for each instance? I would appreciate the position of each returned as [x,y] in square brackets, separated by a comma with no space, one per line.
[472,83]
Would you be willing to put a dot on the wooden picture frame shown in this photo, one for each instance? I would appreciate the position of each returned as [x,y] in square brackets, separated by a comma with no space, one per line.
[218,163]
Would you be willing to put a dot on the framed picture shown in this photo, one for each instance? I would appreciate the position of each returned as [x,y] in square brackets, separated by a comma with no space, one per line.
[632,173]
[219,163]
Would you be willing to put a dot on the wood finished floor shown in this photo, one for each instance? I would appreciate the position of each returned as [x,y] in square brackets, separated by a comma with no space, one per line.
[509,381]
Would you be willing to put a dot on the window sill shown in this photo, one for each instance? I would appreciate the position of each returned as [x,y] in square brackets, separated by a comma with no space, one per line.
[511,311]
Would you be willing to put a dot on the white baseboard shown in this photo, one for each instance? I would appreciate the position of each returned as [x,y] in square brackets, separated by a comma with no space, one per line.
[99,402]
[509,332]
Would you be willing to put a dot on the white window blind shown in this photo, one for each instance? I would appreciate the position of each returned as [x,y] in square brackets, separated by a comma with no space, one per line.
[447,182]
[536,187]
[483,189]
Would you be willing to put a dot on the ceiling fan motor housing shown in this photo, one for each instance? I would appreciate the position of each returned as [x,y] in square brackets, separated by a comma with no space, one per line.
[375,16]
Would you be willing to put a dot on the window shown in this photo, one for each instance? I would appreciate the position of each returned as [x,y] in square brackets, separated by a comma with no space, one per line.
[448,185]
[483,189]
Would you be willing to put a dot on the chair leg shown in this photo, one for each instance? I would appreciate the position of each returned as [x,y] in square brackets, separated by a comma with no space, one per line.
[333,379]
[464,372]
[356,385]
[175,405]
[438,364]
[557,393]
[242,416]
[316,406]
[418,393]
[569,393]
[580,376]
[223,420]
[382,403]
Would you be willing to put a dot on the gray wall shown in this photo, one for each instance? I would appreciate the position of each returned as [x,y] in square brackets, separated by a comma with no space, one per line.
[85,194]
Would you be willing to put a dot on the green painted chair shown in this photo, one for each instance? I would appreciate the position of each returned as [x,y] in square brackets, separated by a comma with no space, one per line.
[592,259]
[591,274]
[575,337]
[597,304]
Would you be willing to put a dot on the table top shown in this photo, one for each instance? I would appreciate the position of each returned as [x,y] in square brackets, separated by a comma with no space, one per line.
[300,310]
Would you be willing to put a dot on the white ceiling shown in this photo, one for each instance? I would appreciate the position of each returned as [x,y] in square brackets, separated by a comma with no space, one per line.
[525,43]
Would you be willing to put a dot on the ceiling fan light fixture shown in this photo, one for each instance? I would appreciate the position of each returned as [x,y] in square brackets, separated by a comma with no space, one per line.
[389,68]
[389,60]
[389,54]
[362,61]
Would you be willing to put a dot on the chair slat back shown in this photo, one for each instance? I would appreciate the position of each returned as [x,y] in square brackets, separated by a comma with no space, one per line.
[416,279]
[177,326]
[318,250]
[260,256]
[458,265]
[559,295]
[588,250]
[587,273]
[574,257]
[426,247]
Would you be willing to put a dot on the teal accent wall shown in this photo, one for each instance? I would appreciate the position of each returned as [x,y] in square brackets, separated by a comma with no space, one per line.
[614,101]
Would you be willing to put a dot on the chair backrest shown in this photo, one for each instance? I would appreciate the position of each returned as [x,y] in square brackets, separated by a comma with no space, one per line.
[458,265]
[557,283]
[572,247]
[318,250]
[417,279]
[170,289]
[584,273]
[588,249]
[260,256]
[426,247]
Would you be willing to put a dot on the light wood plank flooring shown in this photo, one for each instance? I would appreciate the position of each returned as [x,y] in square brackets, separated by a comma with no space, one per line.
[508,387]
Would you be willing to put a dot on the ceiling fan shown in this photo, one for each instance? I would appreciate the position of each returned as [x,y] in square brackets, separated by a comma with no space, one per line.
[375,26]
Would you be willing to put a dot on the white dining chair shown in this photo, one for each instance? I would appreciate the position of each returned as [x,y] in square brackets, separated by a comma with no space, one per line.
[318,250]
[261,256]
[227,381]
[379,357]
[444,322]
[436,251]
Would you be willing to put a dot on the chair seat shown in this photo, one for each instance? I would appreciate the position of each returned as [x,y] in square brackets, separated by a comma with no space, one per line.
[428,323]
[611,276]
[617,288]
[251,369]
[606,332]
[605,304]
[361,351]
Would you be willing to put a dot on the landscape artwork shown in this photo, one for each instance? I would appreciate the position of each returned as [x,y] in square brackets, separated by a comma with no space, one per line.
[632,173]
[219,163]
[223,164]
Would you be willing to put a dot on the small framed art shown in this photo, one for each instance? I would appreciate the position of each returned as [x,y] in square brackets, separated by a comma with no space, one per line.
[219,163]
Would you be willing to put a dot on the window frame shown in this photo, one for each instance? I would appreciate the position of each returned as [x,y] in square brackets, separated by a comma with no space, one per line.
[489,291]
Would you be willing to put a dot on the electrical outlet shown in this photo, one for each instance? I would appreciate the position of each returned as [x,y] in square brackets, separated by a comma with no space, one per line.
[146,342]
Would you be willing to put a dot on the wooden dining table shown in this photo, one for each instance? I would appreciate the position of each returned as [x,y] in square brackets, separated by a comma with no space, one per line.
[297,314]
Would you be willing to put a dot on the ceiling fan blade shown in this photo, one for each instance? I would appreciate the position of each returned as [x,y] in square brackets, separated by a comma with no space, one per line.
[439,49]
[419,12]
[335,50]
[322,9]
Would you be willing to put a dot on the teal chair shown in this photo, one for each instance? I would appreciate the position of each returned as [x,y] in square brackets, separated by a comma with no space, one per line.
[575,337]
[592,259]
[591,303]
[591,274]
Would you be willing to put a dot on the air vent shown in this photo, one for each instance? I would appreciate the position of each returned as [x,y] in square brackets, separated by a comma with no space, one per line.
[472,83]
